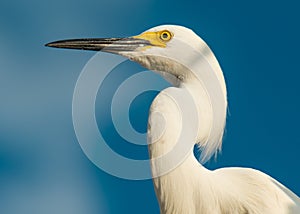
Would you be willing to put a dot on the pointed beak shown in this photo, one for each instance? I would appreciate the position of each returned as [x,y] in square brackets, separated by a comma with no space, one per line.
[111,45]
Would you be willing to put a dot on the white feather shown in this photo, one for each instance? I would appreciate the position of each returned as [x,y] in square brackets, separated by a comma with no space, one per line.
[189,64]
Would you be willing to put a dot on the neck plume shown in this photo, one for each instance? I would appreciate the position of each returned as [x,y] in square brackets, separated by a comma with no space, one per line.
[202,80]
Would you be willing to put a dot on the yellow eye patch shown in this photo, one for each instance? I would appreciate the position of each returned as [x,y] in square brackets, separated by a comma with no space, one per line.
[159,38]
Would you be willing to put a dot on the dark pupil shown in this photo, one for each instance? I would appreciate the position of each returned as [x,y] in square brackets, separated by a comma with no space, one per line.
[165,35]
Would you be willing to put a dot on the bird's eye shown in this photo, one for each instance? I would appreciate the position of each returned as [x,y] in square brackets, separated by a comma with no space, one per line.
[165,35]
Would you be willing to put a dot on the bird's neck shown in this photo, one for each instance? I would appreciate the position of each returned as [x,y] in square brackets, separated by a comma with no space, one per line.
[175,188]
[203,79]
[196,108]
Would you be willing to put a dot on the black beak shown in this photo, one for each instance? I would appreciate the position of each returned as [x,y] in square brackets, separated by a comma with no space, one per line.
[112,45]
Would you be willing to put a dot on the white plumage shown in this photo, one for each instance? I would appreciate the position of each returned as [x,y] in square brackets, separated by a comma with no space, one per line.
[198,96]
[191,188]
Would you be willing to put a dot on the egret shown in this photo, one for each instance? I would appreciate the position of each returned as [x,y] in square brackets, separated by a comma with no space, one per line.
[184,59]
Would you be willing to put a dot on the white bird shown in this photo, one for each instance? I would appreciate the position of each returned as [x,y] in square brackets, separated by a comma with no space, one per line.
[194,110]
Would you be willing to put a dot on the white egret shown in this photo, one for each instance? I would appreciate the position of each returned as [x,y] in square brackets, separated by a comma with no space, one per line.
[185,60]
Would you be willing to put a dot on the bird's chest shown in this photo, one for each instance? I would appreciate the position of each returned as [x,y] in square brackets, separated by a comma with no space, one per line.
[180,192]
[174,197]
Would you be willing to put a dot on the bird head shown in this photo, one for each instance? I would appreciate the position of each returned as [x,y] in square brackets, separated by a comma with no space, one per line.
[163,49]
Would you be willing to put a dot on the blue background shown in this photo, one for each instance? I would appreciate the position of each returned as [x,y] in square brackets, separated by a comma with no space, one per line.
[42,167]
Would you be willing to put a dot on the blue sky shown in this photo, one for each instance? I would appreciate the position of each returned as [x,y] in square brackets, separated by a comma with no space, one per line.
[42,167]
